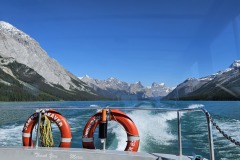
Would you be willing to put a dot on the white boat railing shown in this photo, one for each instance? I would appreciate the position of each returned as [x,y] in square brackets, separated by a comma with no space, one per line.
[178,111]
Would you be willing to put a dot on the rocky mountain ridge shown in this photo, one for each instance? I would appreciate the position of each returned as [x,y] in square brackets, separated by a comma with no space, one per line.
[25,50]
[223,85]
[25,67]
[123,90]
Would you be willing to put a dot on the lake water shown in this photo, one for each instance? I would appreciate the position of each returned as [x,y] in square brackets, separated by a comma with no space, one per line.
[158,130]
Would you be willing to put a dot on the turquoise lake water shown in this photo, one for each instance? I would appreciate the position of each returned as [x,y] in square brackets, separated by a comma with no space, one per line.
[158,130]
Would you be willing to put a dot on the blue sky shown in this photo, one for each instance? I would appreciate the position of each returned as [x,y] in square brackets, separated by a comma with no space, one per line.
[147,41]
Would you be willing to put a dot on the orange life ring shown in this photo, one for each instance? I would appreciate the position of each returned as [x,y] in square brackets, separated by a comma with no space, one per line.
[115,115]
[55,117]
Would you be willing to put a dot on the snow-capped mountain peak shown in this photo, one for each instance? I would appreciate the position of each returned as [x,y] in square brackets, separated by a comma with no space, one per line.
[25,50]
[122,89]
[154,84]
[138,83]
[162,84]
[112,79]
[86,77]
[6,25]
[208,87]
[235,64]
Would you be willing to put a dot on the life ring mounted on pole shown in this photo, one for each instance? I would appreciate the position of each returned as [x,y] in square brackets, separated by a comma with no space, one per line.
[115,115]
[55,117]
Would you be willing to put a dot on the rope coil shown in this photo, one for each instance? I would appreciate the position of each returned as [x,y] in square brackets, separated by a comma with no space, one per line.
[46,137]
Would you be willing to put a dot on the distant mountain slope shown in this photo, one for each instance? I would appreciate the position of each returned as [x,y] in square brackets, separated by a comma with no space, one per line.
[117,89]
[21,83]
[224,85]
[26,69]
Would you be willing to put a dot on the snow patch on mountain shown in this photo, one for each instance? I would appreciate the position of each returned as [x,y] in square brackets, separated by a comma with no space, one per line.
[235,64]
[14,31]
[4,82]
[3,63]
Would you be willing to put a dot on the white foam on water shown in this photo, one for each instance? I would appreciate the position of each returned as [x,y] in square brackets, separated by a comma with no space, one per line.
[230,127]
[94,105]
[193,106]
[121,135]
[152,128]
[11,135]
[74,121]
[223,147]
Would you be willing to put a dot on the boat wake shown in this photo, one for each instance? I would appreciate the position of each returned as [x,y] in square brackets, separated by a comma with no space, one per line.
[154,129]
[11,135]
[157,130]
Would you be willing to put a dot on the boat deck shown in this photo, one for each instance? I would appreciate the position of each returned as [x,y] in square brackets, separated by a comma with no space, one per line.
[79,154]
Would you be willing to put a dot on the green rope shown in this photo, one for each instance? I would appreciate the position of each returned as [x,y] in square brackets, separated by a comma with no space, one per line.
[46,137]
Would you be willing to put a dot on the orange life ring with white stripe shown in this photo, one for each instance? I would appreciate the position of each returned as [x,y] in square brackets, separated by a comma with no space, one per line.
[115,115]
[55,117]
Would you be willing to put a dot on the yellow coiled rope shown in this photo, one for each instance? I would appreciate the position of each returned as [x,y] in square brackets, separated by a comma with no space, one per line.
[46,137]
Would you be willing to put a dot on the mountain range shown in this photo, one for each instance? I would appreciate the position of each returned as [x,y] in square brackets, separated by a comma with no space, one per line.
[117,89]
[27,73]
[223,85]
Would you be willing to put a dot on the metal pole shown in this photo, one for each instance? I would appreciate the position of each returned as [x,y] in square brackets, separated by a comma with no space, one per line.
[103,141]
[179,135]
[38,128]
[103,128]
[210,137]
